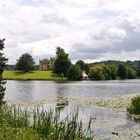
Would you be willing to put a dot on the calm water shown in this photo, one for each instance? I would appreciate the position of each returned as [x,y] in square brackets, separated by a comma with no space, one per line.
[106,121]
[38,90]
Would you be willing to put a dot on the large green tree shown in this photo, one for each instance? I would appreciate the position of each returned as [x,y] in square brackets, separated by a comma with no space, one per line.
[81,64]
[3,61]
[25,63]
[113,73]
[96,73]
[131,73]
[74,73]
[106,71]
[122,71]
[62,63]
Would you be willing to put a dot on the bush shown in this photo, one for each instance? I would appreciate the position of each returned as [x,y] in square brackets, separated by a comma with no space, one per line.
[134,108]
[122,71]
[131,73]
[96,73]
[74,73]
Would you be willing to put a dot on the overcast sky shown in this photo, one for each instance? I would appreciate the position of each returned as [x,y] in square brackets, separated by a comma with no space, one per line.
[91,30]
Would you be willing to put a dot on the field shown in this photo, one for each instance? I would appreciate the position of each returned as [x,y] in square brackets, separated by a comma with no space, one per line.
[34,75]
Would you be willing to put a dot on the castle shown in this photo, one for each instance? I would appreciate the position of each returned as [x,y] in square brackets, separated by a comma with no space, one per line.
[46,64]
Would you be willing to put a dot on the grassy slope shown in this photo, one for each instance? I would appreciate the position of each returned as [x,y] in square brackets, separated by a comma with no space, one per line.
[35,75]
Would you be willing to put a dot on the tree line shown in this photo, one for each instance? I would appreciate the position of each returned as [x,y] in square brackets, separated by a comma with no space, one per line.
[106,70]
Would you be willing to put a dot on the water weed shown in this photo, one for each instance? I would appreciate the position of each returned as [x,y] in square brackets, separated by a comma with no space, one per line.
[42,124]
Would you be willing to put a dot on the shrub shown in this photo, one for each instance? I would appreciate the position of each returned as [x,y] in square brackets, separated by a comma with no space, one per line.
[131,73]
[74,73]
[96,73]
[134,108]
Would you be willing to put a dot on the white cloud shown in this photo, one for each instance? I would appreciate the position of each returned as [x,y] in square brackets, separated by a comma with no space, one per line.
[89,30]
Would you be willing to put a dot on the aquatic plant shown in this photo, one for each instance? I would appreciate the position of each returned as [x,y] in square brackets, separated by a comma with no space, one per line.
[134,107]
[44,124]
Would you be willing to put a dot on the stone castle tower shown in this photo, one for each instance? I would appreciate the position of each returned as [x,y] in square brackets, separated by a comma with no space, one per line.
[46,64]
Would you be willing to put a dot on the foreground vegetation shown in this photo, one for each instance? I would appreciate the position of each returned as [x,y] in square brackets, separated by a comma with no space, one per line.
[34,75]
[16,124]
[134,107]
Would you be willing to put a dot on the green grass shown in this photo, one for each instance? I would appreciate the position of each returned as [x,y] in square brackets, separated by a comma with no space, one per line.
[134,107]
[34,75]
[19,124]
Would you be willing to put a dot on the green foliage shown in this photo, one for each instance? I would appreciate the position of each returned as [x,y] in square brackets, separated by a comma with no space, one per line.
[138,72]
[86,69]
[113,72]
[62,62]
[3,61]
[25,63]
[96,73]
[134,108]
[41,125]
[9,133]
[122,71]
[81,64]
[74,73]
[106,72]
[10,67]
[131,73]
[100,72]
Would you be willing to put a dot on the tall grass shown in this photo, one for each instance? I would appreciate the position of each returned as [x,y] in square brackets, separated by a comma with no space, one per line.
[46,124]
[134,107]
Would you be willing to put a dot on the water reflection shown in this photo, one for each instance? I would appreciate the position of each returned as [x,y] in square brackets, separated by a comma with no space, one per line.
[40,90]
[61,103]
[106,121]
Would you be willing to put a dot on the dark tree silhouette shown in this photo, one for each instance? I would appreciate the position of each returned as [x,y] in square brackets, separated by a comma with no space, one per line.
[3,61]
[25,63]
[74,73]
[62,63]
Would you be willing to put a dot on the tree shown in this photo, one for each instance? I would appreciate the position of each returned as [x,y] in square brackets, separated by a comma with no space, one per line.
[131,73]
[113,73]
[74,73]
[3,61]
[122,71]
[86,68]
[106,71]
[62,63]
[25,63]
[96,73]
[81,64]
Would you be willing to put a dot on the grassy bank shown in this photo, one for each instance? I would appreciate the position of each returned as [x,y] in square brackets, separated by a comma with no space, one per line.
[17,124]
[34,75]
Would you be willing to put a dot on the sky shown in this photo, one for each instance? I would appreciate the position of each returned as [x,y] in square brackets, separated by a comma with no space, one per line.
[89,30]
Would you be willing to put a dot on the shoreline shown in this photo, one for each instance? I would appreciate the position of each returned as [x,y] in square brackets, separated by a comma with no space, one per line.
[119,103]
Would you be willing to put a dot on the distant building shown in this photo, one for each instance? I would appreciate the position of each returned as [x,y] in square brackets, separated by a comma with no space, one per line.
[84,75]
[46,64]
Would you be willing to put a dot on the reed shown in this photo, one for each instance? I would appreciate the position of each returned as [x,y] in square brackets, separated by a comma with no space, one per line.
[46,124]
[134,107]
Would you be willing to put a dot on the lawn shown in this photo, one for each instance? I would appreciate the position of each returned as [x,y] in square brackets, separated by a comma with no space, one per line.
[34,75]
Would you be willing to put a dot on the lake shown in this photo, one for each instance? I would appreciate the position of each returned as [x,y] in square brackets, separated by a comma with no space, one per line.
[38,90]
[107,121]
